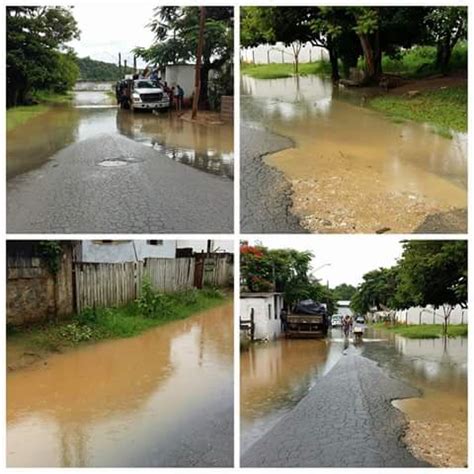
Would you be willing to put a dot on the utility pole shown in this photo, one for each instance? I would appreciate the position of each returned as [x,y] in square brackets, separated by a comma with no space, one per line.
[125,65]
[134,64]
[197,76]
[120,62]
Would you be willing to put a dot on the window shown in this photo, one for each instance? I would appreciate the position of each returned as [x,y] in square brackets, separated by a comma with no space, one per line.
[270,312]
[154,242]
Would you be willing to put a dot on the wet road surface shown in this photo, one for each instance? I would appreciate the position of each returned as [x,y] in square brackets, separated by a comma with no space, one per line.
[266,195]
[289,370]
[349,165]
[90,167]
[346,420]
[164,398]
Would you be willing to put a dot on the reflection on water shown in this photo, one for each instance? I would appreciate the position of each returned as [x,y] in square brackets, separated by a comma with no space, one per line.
[275,376]
[126,402]
[348,150]
[93,112]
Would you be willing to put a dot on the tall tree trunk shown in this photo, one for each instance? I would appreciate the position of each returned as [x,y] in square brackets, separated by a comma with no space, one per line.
[204,95]
[369,58]
[333,59]
[443,55]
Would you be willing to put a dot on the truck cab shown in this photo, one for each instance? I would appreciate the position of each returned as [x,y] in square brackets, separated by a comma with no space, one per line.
[141,94]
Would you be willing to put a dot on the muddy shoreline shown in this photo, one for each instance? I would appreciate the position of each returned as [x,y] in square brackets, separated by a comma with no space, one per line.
[266,194]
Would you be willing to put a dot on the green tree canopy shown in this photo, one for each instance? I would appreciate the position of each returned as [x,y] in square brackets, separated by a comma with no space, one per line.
[344,292]
[283,270]
[176,34]
[37,56]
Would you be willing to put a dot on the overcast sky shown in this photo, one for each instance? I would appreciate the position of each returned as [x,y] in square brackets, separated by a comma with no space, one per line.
[109,29]
[349,257]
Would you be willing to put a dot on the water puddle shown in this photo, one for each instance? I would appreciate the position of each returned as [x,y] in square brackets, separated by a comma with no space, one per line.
[351,169]
[275,376]
[437,429]
[131,402]
[94,112]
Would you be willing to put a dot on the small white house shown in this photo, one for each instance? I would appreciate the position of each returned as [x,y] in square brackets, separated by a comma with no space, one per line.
[264,309]
[344,308]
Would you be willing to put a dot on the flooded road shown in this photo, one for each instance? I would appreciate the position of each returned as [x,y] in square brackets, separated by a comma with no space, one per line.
[277,375]
[94,112]
[164,398]
[349,164]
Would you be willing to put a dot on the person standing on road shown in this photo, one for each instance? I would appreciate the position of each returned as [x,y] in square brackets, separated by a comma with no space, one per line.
[179,95]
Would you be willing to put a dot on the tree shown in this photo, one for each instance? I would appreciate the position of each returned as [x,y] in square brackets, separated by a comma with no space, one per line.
[434,272]
[446,26]
[284,270]
[378,290]
[344,292]
[37,56]
[176,32]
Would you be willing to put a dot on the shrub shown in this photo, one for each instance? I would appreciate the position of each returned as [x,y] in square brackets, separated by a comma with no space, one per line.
[153,304]
[75,332]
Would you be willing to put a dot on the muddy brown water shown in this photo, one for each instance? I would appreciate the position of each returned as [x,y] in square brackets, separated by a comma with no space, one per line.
[124,402]
[209,148]
[351,168]
[275,376]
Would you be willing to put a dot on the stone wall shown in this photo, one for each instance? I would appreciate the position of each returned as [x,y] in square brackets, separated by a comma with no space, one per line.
[34,294]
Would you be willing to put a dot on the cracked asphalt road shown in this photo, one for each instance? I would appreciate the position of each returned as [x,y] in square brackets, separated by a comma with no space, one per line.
[346,420]
[265,194]
[139,192]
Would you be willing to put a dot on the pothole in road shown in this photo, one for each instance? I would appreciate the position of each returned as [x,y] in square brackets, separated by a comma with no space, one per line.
[113,163]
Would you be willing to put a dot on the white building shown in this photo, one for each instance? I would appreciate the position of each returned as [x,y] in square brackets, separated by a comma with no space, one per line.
[265,311]
[182,74]
[118,251]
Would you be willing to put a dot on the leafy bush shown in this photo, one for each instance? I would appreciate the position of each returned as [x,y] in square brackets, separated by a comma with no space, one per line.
[88,316]
[75,332]
[187,297]
[212,292]
[153,304]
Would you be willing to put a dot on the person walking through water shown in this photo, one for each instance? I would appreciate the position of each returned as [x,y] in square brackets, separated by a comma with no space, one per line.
[346,325]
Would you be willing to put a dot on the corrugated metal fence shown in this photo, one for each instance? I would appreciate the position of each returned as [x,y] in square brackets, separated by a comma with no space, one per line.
[115,284]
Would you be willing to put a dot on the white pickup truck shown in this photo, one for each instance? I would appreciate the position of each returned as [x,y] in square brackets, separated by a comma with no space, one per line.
[142,94]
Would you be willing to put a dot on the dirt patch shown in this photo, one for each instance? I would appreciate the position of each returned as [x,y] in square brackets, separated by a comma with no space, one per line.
[431,83]
[204,117]
[438,443]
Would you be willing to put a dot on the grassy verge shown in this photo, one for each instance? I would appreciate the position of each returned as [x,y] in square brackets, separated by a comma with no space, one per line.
[278,71]
[424,331]
[151,310]
[444,109]
[19,115]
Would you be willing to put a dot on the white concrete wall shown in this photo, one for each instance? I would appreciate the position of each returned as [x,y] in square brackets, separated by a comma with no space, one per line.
[126,251]
[183,75]
[430,316]
[259,54]
[265,327]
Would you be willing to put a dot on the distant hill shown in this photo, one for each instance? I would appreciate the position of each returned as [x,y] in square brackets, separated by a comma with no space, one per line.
[92,70]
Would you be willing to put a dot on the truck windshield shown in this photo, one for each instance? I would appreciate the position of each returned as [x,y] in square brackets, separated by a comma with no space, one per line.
[144,85]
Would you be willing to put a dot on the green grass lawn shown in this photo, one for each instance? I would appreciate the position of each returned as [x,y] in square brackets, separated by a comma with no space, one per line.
[19,115]
[111,323]
[424,331]
[278,71]
[444,109]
